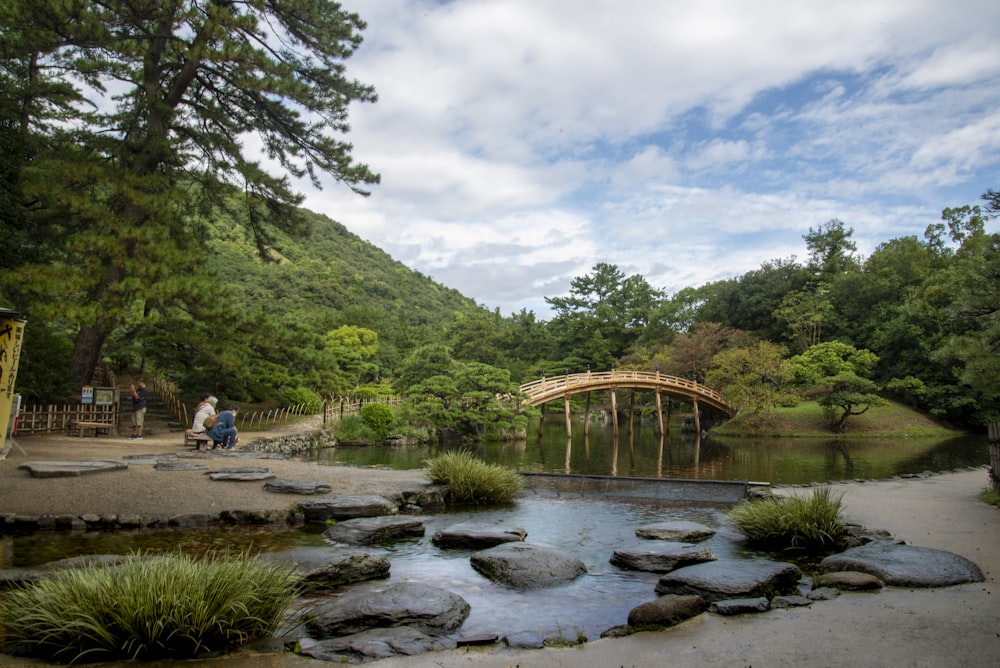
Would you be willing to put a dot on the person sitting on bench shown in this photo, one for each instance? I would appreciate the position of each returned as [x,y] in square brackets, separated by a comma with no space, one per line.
[202,411]
[224,432]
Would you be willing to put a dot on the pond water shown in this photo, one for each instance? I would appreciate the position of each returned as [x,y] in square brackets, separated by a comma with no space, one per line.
[590,527]
[645,454]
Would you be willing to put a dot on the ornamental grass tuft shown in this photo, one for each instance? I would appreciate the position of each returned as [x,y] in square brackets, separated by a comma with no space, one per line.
[148,607]
[811,523]
[473,481]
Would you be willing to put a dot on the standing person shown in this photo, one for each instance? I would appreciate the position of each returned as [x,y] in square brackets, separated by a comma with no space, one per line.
[202,411]
[224,432]
[140,397]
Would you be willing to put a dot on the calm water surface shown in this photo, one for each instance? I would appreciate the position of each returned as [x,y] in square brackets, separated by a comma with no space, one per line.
[771,460]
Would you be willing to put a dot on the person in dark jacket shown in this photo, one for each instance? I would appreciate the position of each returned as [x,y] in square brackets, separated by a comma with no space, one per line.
[140,398]
[224,433]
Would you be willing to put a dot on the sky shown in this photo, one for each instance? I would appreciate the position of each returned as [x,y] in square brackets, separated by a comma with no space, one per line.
[521,142]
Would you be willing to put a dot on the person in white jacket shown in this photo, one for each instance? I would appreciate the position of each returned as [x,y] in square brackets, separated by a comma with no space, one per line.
[202,411]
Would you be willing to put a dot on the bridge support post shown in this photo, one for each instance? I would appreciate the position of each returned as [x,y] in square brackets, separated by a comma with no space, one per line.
[586,416]
[697,417]
[569,417]
[659,413]
[614,412]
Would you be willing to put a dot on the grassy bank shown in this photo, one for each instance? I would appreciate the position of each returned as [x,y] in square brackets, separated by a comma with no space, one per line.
[806,420]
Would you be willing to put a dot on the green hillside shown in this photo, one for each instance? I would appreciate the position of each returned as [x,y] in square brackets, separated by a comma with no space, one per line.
[806,420]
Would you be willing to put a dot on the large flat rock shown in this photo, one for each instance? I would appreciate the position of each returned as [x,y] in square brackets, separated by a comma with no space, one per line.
[905,565]
[472,535]
[660,556]
[526,566]
[375,530]
[70,469]
[732,578]
[426,608]
[346,507]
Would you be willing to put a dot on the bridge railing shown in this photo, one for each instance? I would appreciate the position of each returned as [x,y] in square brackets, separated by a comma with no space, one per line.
[579,381]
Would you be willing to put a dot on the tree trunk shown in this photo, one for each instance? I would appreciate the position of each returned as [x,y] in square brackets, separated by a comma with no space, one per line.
[87,352]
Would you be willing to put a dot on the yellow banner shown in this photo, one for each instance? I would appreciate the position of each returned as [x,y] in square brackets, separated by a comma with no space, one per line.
[11,335]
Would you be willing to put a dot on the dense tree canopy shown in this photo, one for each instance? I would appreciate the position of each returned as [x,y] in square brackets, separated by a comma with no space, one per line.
[134,116]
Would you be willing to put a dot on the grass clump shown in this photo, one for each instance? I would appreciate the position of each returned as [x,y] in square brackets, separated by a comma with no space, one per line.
[148,607]
[811,523]
[990,496]
[473,481]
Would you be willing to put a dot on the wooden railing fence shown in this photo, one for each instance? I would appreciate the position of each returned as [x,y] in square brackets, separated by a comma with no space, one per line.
[53,417]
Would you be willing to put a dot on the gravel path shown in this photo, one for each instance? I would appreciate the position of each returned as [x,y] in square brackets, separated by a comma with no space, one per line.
[142,490]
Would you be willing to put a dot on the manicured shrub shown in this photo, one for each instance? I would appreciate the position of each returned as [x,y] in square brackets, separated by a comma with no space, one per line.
[810,523]
[149,607]
[471,480]
[352,427]
[378,417]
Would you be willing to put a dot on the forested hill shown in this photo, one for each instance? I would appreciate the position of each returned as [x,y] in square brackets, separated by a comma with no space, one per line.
[335,275]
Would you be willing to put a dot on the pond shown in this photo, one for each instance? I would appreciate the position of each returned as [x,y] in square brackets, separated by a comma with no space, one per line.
[589,527]
[770,460]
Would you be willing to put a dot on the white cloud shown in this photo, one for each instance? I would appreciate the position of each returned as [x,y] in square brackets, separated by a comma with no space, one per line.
[520,143]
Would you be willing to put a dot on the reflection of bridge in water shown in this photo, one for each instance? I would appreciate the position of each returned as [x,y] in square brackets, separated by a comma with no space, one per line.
[544,390]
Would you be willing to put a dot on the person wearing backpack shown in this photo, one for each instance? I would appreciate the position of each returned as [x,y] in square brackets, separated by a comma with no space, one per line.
[223,433]
[202,411]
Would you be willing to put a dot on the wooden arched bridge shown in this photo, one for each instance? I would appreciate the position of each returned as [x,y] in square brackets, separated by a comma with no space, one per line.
[541,391]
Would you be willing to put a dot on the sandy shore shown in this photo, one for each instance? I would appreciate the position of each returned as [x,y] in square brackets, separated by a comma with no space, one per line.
[954,626]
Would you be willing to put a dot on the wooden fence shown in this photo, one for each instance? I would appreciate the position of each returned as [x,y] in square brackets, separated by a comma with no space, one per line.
[45,419]
[52,418]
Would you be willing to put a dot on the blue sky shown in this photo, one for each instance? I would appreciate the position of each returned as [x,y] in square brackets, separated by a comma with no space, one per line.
[520,142]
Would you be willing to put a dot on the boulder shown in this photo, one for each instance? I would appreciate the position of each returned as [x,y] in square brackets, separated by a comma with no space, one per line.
[471,535]
[428,609]
[666,610]
[525,566]
[346,507]
[732,578]
[375,530]
[676,530]
[328,567]
[660,556]
[905,565]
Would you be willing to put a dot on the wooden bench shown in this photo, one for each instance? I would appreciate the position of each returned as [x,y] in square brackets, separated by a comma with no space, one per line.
[98,428]
[200,441]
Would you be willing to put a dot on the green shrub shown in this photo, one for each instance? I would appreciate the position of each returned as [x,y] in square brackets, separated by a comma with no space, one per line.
[812,523]
[353,428]
[149,607]
[471,480]
[302,395]
[378,417]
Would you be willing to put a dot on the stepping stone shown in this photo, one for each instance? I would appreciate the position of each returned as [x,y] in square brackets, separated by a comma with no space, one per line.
[476,536]
[424,607]
[243,474]
[346,507]
[732,578]
[676,530]
[525,566]
[660,556]
[375,530]
[304,487]
[70,469]
[180,466]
